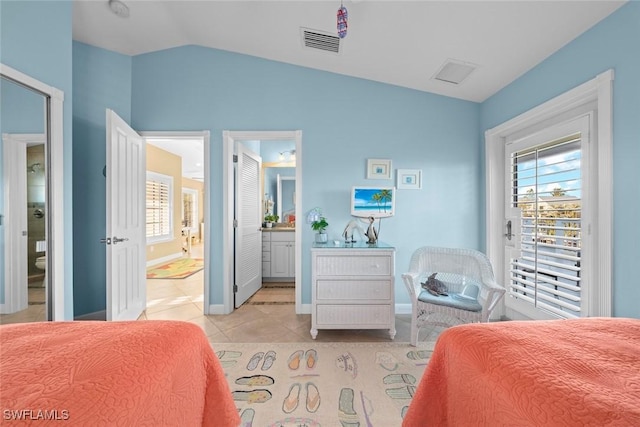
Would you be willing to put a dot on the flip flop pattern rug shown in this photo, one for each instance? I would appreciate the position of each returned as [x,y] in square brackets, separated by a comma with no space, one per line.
[178,269]
[322,384]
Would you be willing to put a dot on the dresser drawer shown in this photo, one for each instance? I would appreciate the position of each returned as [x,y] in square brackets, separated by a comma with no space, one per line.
[266,246]
[371,265]
[353,315]
[266,269]
[266,256]
[353,289]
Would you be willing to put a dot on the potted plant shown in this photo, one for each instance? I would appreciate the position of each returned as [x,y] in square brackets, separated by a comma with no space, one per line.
[269,219]
[320,225]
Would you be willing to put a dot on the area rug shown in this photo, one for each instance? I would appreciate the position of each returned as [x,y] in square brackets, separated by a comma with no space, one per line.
[178,269]
[323,384]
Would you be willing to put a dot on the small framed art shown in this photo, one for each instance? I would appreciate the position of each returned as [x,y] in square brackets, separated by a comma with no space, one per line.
[409,179]
[378,169]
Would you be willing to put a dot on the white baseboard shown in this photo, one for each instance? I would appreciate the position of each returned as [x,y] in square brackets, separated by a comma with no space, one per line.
[216,309]
[164,259]
[304,309]
[96,315]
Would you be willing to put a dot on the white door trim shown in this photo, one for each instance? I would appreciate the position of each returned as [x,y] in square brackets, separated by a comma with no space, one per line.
[228,139]
[55,192]
[599,91]
[206,136]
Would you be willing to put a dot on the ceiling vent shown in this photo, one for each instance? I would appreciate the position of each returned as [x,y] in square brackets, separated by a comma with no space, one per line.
[454,72]
[320,40]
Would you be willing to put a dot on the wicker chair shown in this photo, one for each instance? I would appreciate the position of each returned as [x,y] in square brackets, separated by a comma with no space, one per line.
[456,268]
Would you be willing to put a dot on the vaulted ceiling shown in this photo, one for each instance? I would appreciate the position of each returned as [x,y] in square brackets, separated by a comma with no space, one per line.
[404,43]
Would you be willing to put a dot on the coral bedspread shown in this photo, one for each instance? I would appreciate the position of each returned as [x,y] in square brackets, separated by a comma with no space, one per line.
[583,372]
[155,373]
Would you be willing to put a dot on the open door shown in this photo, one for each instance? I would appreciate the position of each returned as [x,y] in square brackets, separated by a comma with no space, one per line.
[248,235]
[126,236]
[14,224]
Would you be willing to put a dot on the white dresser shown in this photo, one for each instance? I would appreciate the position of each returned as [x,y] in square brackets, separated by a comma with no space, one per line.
[352,287]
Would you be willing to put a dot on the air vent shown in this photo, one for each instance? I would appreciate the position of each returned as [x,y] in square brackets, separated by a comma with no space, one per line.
[320,40]
[454,72]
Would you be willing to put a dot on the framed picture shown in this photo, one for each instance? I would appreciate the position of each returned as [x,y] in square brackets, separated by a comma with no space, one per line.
[409,179]
[378,169]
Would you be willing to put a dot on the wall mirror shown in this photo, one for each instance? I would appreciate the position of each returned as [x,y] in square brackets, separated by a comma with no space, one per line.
[286,197]
[271,172]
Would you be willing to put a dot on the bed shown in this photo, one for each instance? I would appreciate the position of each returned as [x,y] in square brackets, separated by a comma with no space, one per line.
[583,372]
[156,373]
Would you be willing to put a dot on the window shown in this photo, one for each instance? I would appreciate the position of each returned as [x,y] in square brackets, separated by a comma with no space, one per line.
[594,259]
[546,189]
[159,207]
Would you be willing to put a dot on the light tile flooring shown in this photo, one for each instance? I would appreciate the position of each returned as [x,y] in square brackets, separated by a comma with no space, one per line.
[183,300]
[250,323]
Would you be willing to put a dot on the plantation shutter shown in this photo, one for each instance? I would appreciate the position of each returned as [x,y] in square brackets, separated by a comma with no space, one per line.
[546,184]
[158,207]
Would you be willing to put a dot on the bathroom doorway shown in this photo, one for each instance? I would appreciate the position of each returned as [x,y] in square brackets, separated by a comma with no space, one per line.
[24,159]
[230,141]
[28,106]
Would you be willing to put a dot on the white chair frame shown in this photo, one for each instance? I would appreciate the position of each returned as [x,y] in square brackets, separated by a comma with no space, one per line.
[455,267]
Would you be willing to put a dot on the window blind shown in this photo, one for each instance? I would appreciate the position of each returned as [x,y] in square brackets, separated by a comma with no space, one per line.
[158,208]
[546,186]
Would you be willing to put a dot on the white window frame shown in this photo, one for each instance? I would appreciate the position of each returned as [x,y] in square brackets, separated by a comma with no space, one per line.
[593,96]
[167,180]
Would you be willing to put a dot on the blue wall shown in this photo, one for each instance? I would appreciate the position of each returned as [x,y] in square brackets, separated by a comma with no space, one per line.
[35,38]
[102,79]
[344,121]
[613,43]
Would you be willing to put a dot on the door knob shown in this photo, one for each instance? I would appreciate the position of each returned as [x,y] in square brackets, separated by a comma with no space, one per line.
[106,240]
[117,240]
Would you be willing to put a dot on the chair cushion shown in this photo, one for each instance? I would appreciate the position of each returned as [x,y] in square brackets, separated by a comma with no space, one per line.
[463,301]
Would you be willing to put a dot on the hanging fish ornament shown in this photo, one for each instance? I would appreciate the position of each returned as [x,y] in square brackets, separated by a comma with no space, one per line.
[342,21]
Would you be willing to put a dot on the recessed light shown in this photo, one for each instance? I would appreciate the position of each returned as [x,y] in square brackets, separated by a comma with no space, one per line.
[119,8]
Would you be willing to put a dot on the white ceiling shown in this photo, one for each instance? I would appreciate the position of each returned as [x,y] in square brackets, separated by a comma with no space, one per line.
[403,43]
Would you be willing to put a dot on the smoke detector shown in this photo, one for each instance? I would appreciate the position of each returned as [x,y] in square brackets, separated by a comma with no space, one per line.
[119,8]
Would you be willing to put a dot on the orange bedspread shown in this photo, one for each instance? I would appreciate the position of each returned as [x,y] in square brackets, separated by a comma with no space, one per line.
[146,373]
[582,372]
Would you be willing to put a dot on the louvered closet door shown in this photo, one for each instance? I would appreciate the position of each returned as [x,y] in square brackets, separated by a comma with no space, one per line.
[248,241]
[546,186]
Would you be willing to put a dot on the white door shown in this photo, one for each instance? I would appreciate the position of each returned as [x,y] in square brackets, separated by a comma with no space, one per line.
[545,221]
[248,231]
[15,224]
[126,169]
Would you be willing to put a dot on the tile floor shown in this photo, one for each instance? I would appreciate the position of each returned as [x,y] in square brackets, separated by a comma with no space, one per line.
[273,321]
[250,323]
[183,300]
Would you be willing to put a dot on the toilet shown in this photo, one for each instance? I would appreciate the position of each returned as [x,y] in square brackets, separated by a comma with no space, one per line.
[41,264]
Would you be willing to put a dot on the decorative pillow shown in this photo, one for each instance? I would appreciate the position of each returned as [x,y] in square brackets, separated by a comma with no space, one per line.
[435,286]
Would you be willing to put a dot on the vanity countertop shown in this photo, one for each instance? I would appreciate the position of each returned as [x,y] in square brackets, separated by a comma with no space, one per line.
[278,229]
